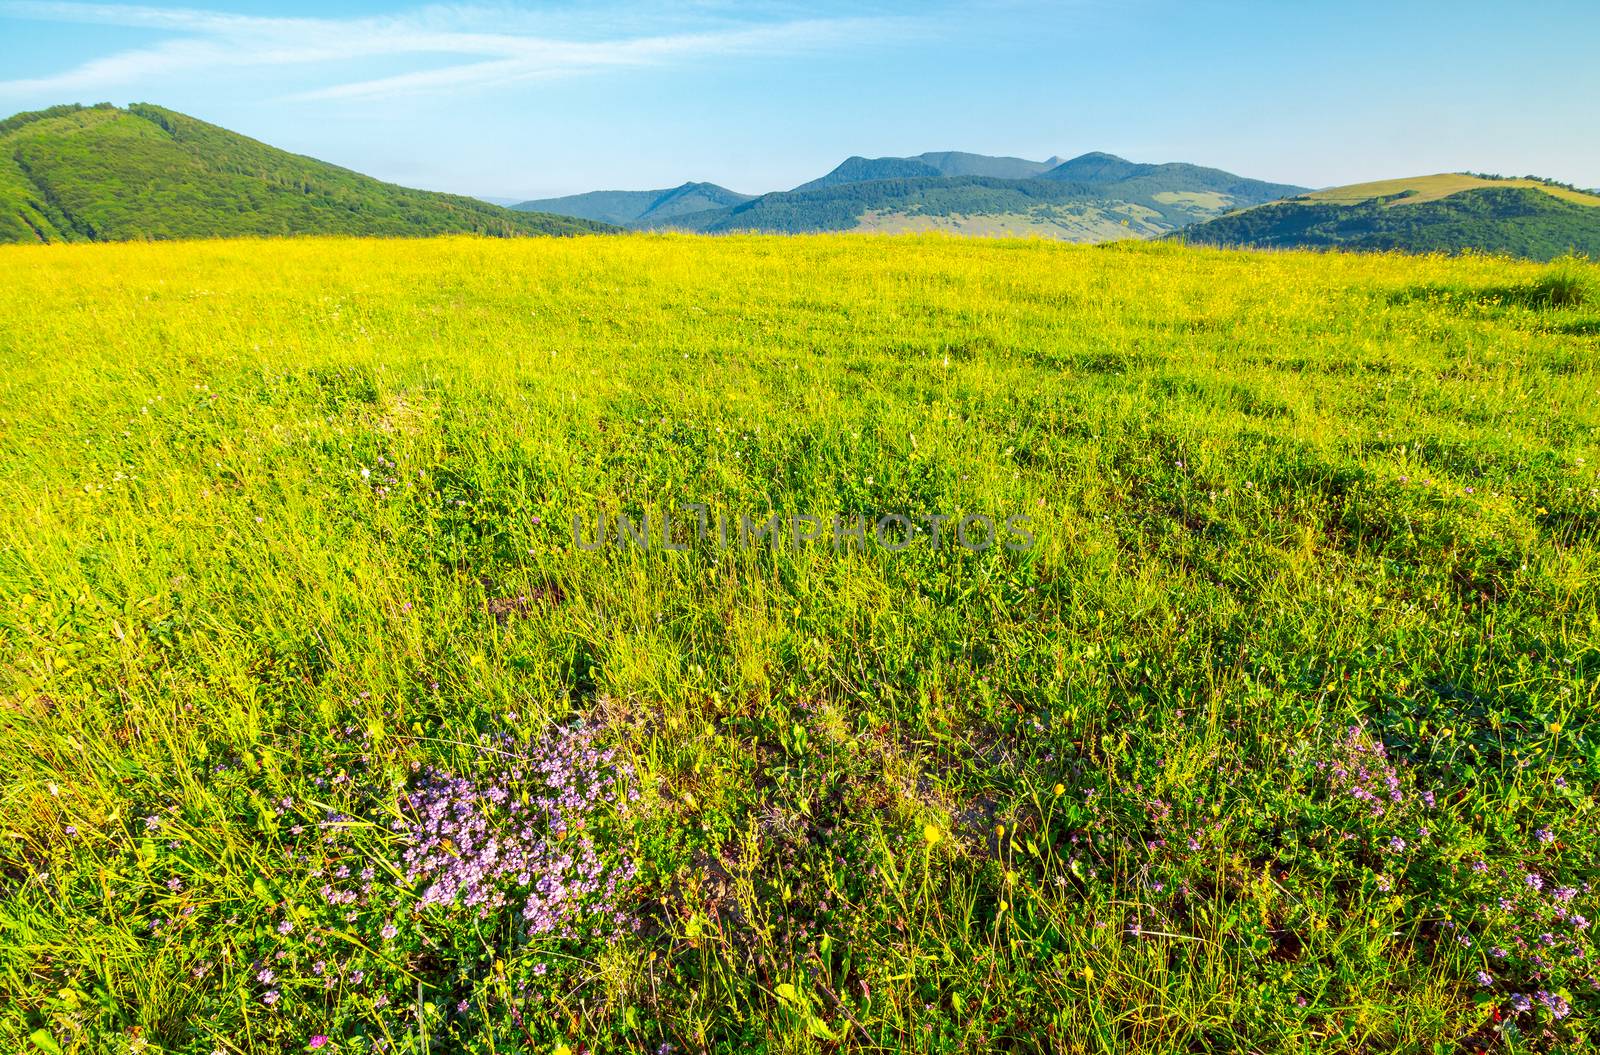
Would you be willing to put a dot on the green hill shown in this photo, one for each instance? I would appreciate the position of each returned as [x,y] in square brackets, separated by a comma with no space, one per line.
[624,207]
[1443,213]
[1130,201]
[101,174]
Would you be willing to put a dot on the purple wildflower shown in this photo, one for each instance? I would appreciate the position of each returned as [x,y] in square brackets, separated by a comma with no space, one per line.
[1557,1006]
[471,843]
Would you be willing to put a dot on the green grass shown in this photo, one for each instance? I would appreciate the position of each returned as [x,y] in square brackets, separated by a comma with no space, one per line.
[287,525]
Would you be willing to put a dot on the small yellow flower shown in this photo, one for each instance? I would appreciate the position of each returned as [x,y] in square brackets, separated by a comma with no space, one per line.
[1000,830]
[1060,789]
[932,834]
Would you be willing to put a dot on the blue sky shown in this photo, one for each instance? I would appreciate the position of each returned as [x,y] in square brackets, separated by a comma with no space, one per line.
[534,99]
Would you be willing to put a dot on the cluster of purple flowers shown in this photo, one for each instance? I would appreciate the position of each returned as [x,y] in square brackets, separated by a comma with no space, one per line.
[1532,927]
[532,832]
[1358,769]
[1539,929]
[524,827]
[1553,1002]
[382,478]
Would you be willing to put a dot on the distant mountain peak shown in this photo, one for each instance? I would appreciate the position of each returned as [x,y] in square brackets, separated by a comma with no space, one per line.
[638,207]
[1097,167]
[962,163]
[858,169]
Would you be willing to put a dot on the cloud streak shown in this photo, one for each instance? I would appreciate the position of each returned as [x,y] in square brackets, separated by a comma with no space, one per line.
[492,47]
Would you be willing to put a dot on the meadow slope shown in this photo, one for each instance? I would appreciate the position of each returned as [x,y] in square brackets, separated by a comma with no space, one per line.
[319,731]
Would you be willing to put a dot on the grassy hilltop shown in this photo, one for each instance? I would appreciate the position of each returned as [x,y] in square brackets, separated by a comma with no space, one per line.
[319,732]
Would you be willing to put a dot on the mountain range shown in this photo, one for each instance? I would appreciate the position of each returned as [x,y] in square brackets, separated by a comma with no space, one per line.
[1091,198]
[104,173]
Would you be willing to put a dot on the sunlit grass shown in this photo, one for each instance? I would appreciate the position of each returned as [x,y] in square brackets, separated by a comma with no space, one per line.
[286,524]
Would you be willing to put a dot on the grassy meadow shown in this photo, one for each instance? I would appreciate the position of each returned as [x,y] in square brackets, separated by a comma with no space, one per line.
[319,730]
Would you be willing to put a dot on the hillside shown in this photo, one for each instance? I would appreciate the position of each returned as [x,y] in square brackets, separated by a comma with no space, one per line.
[1443,213]
[624,207]
[104,174]
[1116,199]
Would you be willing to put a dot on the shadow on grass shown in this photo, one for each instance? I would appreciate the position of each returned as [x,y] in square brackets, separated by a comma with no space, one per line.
[1568,283]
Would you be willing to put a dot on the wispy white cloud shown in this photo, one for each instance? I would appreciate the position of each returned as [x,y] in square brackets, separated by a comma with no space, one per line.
[496,46]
